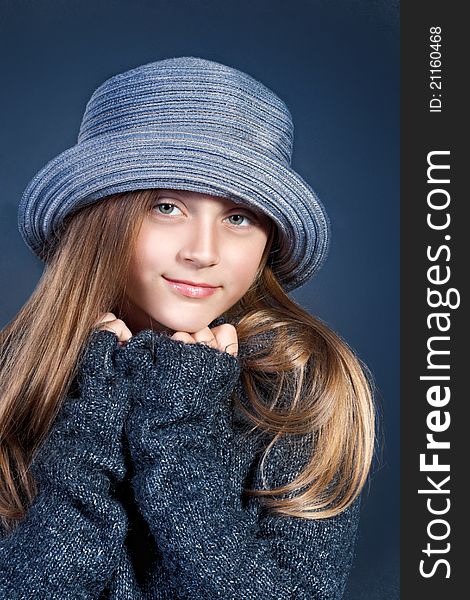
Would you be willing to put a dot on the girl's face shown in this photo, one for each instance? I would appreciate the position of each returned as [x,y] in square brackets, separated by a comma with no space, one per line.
[186,240]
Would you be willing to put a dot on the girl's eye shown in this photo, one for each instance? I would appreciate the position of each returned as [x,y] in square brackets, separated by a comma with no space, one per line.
[166,208]
[238,220]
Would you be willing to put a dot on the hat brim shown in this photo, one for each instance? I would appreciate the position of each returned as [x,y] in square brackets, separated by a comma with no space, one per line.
[111,163]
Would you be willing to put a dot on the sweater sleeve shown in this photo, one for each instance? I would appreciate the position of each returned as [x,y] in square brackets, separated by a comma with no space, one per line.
[71,537]
[212,546]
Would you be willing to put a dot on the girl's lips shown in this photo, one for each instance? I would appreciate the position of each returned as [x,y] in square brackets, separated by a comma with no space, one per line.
[191,291]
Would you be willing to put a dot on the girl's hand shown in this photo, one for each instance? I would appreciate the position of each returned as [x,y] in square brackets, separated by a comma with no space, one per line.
[109,322]
[223,337]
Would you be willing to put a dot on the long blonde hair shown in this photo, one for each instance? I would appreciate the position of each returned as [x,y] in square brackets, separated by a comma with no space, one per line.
[85,276]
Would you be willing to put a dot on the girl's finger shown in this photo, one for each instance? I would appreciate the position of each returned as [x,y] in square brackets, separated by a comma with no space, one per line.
[206,336]
[117,326]
[106,318]
[227,338]
[182,336]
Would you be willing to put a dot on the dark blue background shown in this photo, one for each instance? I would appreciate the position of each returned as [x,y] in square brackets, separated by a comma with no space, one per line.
[336,64]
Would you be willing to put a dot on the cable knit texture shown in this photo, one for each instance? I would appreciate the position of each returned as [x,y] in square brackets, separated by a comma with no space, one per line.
[141,490]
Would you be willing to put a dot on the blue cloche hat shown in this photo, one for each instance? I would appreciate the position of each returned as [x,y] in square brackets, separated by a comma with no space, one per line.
[191,124]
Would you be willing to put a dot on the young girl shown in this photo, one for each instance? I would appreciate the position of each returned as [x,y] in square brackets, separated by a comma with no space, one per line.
[172,423]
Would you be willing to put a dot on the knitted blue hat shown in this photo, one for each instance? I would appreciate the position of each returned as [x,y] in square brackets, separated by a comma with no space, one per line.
[191,124]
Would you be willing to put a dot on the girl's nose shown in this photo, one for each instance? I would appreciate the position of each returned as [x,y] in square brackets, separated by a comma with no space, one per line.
[201,245]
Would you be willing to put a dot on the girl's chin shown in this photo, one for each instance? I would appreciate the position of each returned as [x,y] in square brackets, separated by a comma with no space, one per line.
[169,323]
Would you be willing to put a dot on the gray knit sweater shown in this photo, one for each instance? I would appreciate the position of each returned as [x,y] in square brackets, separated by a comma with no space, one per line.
[140,491]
